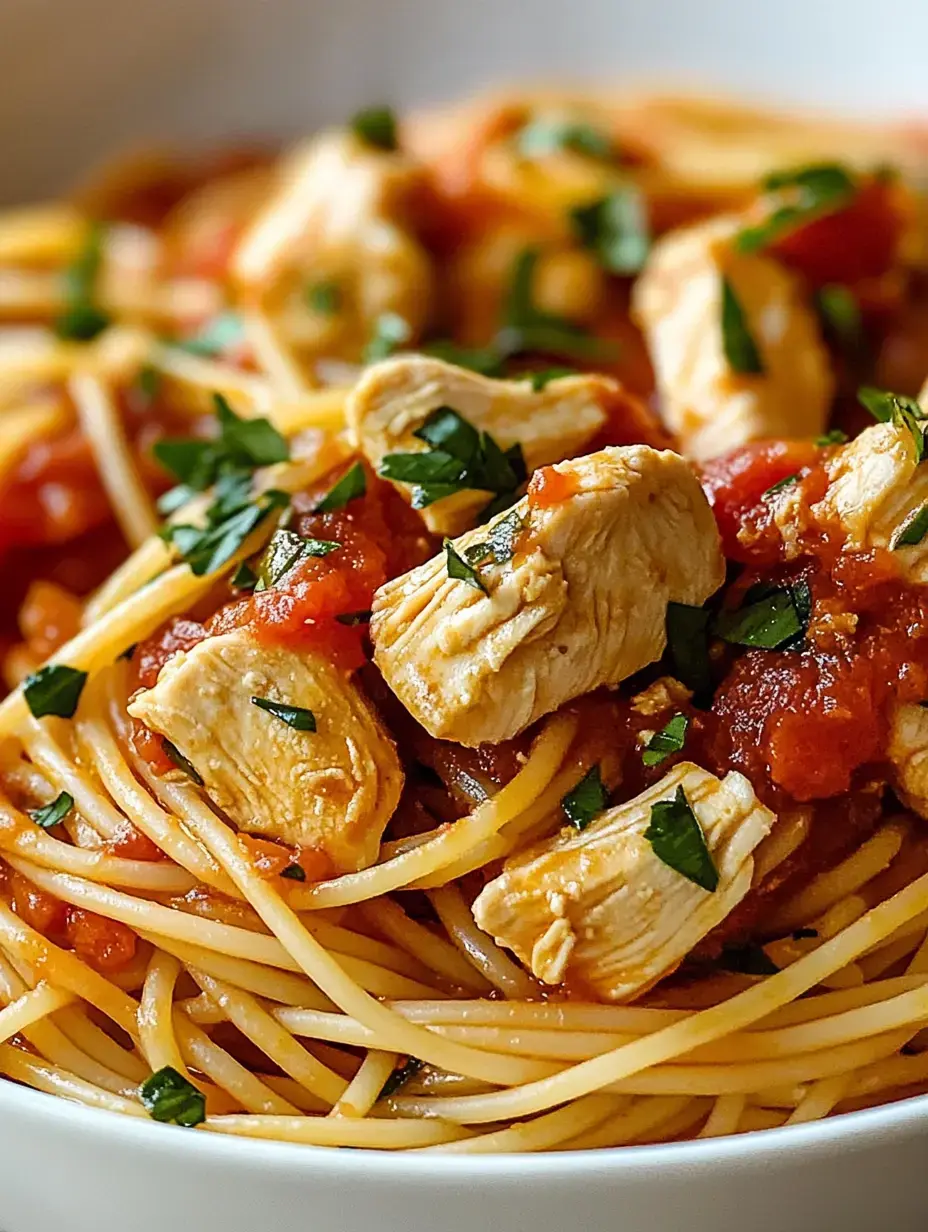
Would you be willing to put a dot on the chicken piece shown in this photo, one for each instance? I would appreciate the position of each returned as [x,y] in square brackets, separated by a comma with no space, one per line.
[342,220]
[601,907]
[678,304]
[908,756]
[876,487]
[333,789]
[605,542]
[396,397]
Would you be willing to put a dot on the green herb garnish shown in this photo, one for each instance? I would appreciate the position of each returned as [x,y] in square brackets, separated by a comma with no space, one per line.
[688,643]
[169,1097]
[148,383]
[897,409]
[405,1073]
[586,801]
[839,312]
[912,530]
[297,717]
[459,569]
[665,743]
[353,619]
[787,481]
[772,618]
[539,380]
[806,194]
[324,297]
[542,137]
[207,549]
[284,551]
[244,577]
[352,485]
[737,341]
[51,814]
[677,840]
[616,229]
[834,437]
[488,361]
[221,334]
[376,126]
[294,872]
[747,960]
[54,690]
[82,320]
[181,762]
[390,331]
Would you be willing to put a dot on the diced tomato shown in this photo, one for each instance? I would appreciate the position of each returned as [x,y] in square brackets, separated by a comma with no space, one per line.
[151,655]
[132,844]
[271,859]
[150,747]
[49,617]
[106,945]
[549,486]
[41,911]
[858,242]
[735,483]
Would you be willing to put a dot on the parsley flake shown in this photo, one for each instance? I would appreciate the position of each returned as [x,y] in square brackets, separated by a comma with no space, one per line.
[181,762]
[798,196]
[747,960]
[545,136]
[82,319]
[583,803]
[677,840]
[488,361]
[54,690]
[294,872]
[405,1073]
[615,228]
[390,331]
[297,717]
[324,297]
[834,437]
[284,551]
[376,126]
[786,482]
[665,743]
[352,485]
[771,618]
[688,642]
[737,340]
[897,409]
[169,1097]
[840,314]
[539,380]
[459,569]
[51,814]
[912,530]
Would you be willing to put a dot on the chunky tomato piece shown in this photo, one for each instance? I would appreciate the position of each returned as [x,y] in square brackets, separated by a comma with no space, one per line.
[106,945]
[49,617]
[549,486]
[272,859]
[132,844]
[41,911]
[858,242]
[735,484]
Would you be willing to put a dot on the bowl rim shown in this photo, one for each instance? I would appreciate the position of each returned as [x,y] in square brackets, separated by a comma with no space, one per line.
[757,1149]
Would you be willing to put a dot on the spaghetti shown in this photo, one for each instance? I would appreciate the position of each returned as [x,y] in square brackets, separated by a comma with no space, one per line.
[684,898]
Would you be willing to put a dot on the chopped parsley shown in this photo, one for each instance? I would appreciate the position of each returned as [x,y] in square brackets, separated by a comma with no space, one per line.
[677,840]
[169,1097]
[897,409]
[771,618]
[615,228]
[737,340]
[51,814]
[459,569]
[488,361]
[528,328]
[840,314]
[351,485]
[405,1073]
[181,762]
[583,803]
[207,548]
[539,380]
[82,319]
[324,297]
[834,437]
[912,530]
[665,743]
[390,331]
[217,336]
[54,690]
[542,137]
[284,551]
[147,383]
[459,458]
[297,717]
[688,642]
[786,482]
[376,126]
[353,619]
[804,194]
[244,577]
[500,542]
[294,872]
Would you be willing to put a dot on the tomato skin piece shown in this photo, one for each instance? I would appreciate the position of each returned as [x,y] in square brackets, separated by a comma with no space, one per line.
[735,483]
[850,245]
[550,486]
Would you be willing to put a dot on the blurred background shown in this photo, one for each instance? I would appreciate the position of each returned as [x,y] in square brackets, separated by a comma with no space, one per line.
[84,77]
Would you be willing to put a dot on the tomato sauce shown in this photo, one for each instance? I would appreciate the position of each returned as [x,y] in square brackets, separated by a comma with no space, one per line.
[272,859]
[549,486]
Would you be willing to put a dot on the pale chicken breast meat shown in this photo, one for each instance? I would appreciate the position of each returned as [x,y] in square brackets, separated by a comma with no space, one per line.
[333,788]
[395,398]
[602,908]
[578,600]
[678,304]
[908,756]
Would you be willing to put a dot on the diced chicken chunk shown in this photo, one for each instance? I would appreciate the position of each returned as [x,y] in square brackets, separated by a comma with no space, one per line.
[333,789]
[678,303]
[341,219]
[601,907]
[908,755]
[876,486]
[396,397]
[581,602]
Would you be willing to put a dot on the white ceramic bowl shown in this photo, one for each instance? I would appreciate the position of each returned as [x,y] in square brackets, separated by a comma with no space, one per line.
[80,77]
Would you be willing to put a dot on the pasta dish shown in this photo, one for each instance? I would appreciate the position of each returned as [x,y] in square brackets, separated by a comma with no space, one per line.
[466,629]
